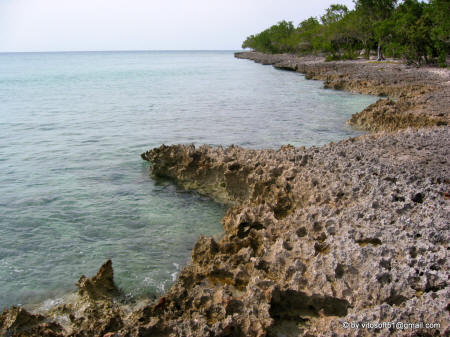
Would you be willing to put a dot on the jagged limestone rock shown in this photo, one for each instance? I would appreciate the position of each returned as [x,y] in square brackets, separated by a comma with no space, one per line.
[419,97]
[101,285]
[354,231]
[323,236]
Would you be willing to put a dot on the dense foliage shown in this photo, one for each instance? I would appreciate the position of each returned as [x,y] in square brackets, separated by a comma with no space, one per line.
[415,30]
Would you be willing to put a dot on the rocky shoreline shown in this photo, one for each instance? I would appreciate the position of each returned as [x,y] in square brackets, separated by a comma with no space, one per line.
[315,238]
[416,97]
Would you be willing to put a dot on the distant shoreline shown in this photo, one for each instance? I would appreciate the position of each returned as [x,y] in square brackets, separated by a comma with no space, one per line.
[315,238]
[118,51]
[418,97]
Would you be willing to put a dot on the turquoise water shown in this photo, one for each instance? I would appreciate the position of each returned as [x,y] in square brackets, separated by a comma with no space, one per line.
[73,188]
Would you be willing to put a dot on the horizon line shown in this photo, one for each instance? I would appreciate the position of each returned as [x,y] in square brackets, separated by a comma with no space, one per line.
[117,50]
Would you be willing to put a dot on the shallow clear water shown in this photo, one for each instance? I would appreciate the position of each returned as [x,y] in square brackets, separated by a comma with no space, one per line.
[73,188]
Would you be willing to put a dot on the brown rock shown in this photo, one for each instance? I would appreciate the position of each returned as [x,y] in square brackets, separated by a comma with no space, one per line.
[354,231]
[16,321]
[99,286]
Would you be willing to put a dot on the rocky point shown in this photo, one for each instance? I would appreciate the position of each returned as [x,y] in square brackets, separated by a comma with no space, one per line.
[316,240]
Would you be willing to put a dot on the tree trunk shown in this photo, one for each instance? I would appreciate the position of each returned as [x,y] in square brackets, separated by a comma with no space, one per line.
[366,49]
[380,53]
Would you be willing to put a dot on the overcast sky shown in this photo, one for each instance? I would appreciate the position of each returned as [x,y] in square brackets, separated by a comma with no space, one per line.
[62,25]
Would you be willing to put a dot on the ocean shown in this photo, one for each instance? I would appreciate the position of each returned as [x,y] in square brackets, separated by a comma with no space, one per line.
[73,188]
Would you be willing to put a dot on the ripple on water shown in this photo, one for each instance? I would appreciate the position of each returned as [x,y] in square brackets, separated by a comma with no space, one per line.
[73,189]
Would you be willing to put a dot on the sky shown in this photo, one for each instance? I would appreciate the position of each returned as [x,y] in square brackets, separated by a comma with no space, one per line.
[82,25]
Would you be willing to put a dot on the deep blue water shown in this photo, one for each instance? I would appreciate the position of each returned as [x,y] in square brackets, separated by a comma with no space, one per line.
[73,188]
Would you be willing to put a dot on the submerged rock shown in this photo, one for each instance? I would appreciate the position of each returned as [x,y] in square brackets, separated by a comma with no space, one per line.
[321,237]
[315,239]
[354,231]
[417,97]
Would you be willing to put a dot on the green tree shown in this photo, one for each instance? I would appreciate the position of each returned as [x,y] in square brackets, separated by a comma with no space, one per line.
[416,30]
[275,39]
[376,11]
[411,32]
[309,35]
[280,36]
[346,35]
[333,14]
[438,12]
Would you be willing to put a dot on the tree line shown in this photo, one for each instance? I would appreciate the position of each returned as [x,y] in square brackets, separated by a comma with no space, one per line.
[415,30]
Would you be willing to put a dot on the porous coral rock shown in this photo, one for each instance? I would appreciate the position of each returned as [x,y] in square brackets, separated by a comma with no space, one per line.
[418,97]
[360,227]
[314,239]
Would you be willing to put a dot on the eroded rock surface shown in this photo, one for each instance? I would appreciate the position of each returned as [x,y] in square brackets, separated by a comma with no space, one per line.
[94,312]
[100,286]
[417,97]
[356,231]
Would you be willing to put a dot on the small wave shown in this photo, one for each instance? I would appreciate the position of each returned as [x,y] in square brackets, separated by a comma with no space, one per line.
[174,276]
[38,202]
